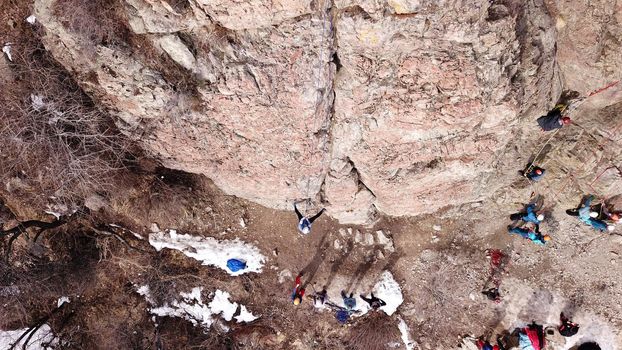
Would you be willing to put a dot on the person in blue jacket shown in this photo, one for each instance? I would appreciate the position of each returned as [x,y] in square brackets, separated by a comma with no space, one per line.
[529,215]
[529,234]
[587,216]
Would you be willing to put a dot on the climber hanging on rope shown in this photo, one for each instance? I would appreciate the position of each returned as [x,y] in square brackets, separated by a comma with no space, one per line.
[554,119]
[533,172]
[304,223]
[589,216]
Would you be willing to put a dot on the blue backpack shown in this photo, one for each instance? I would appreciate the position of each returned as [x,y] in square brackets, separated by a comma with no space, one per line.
[236,265]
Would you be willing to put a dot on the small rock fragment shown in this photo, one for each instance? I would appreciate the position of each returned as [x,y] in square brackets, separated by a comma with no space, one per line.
[358,237]
[369,239]
[337,244]
[154,228]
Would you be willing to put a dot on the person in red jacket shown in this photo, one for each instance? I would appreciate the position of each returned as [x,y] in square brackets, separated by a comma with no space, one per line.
[299,291]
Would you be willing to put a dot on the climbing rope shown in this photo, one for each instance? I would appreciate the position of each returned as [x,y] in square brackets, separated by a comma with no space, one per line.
[568,110]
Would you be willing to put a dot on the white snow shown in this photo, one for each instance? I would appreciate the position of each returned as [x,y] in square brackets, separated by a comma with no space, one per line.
[221,304]
[245,315]
[388,290]
[62,300]
[38,341]
[405,331]
[192,308]
[7,51]
[31,19]
[54,214]
[242,223]
[210,251]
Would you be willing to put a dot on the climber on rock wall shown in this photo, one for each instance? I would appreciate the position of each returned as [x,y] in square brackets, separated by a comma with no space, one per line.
[304,223]
[533,172]
[554,119]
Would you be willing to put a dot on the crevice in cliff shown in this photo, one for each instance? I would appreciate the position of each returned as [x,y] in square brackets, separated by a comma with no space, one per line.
[359,180]
[331,15]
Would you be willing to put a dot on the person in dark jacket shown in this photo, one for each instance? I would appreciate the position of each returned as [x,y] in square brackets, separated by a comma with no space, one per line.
[534,173]
[348,301]
[567,328]
[374,301]
[492,294]
[304,223]
[553,119]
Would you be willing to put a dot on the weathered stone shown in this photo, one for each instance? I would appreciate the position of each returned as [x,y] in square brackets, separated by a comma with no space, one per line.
[367,106]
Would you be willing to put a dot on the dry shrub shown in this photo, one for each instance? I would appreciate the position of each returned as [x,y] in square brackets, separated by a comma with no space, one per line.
[374,332]
[55,141]
[98,21]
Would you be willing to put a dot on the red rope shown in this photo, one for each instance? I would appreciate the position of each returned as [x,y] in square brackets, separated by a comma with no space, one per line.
[603,89]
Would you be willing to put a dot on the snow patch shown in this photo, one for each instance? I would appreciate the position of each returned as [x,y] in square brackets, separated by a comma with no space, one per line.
[245,315]
[192,308]
[221,304]
[389,290]
[7,51]
[210,251]
[37,102]
[31,19]
[42,339]
[62,300]
[405,331]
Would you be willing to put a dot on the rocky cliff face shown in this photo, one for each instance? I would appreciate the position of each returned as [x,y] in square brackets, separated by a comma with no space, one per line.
[400,107]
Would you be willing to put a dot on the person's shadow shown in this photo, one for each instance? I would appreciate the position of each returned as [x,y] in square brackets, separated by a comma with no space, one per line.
[318,258]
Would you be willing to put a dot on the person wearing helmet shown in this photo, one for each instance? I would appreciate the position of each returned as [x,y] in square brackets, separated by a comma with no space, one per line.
[534,173]
[299,291]
[529,215]
[304,223]
[587,215]
[554,119]
[530,234]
